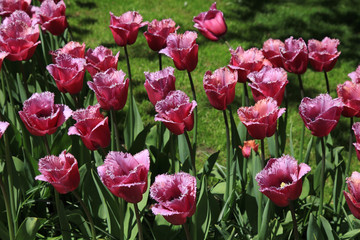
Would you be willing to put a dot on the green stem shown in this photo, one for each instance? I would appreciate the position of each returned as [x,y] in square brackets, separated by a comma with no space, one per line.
[122,209]
[46,145]
[192,155]
[347,170]
[137,213]
[131,99]
[302,142]
[88,215]
[228,160]
[276,144]
[114,128]
[8,211]
[161,128]
[327,82]
[322,177]
[160,63]
[296,233]
[260,206]
[173,154]
[262,143]
[195,112]
[187,232]
[57,202]
[246,95]
[301,86]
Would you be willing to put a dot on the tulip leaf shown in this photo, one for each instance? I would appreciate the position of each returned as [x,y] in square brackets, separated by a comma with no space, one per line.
[282,132]
[313,230]
[4,231]
[134,127]
[209,164]
[2,98]
[21,89]
[28,228]
[291,141]
[139,142]
[351,234]
[152,136]
[265,220]
[184,152]
[305,188]
[203,213]
[327,227]
[308,150]
[272,146]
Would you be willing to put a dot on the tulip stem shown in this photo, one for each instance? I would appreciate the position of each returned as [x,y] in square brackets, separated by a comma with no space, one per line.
[262,153]
[296,233]
[327,82]
[137,213]
[195,113]
[174,163]
[192,155]
[114,129]
[350,148]
[88,215]
[260,206]
[276,144]
[8,211]
[228,160]
[302,142]
[131,110]
[160,63]
[322,177]
[246,94]
[62,227]
[301,86]
[187,232]
[46,145]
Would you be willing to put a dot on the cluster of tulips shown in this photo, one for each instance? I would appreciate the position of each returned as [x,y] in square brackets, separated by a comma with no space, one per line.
[126,175]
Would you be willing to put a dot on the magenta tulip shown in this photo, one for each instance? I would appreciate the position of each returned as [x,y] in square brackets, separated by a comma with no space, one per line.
[355,76]
[176,197]
[176,112]
[353,196]
[111,89]
[321,114]
[100,59]
[281,181]
[356,129]
[211,24]
[157,33]
[271,51]
[183,50]
[294,55]
[41,116]
[92,127]
[261,119]
[7,7]
[323,55]
[62,172]
[220,87]
[126,176]
[3,127]
[349,93]
[74,49]
[159,84]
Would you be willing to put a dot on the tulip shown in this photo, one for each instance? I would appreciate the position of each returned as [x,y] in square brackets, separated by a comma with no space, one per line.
[323,55]
[92,127]
[18,36]
[111,89]
[260,120]
[176,112]
[100,59]
[62,172]
[51,17]
[248,145]
[41,116]
[268,82]
[349,93]
[321,114]
[211,24]
[355,76]
[281,181]
[159,84]
[183,50]
[126,175]
[294,55]
[157,33]
[125,28]
[3,127]
[68,73]
[271,51]
[245,62]
[3,55]
[353,196]
[74,49]
[356,128]
[8,7]
[176,197]
[220,87]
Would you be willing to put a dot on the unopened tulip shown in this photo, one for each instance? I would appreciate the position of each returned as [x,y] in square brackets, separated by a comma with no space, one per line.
[294,55]
[271,51]
[157,33]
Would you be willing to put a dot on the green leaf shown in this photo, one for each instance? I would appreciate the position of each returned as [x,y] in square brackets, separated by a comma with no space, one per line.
[313,231]
[136,126]
[28,228]
[327,227]
[351,234]
[184,152]
[265,220]
[203,212]
[271,145]
[210,162]
[139,142]
[291,141]
[305,188]
[308,150]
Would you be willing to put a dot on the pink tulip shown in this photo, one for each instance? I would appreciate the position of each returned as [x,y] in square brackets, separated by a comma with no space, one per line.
[125,28]
[248,145]
[3,55]
[323,55]
[356,129]
[355,76]
[92,127]
[74,49]
[183,50]
[41,116]
[211,24]
[3,127]
[353,196]
[220,87]
[268,82]
[62,172]
[7,7]
[271,51]
[100,59]
[176,197]
[321,114]
[157,33]
[261,119]
[294,55]
[111,89]
[349,93]
[176,112]
[281,181]
[159,84]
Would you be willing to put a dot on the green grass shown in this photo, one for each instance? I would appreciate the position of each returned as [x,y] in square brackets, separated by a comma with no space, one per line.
[250,23]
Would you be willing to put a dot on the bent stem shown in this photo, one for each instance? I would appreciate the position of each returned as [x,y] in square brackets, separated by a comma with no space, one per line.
[8,211]
[187,232]
[137,213]
[192,155]
[228,163]
[322,177]
[296,233]
[195,112]
[132,117]
[327,82]
[88,215]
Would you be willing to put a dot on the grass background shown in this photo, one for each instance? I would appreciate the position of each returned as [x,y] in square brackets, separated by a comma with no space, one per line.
[250,23]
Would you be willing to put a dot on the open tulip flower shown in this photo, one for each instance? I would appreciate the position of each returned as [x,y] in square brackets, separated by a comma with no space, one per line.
[271,51]
[126,176]
[92,127]
[353,196]
[51,16]
[281,179]
[176,112]
[220,87]
[356,129]
[3,127]
[126,27]
[74,49]
[321,114]
[323,55]
[211,24]
[245,62]
[62,172]
[349,93]
[294,55]
[111,89]
[157,33]
[68,73]
[183,50]
[268,82]
[8,7]
[159,84]
[176,197]
[261,119]
[100,59]
[19,36]
[41,116]
[248,145]
[355,76]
